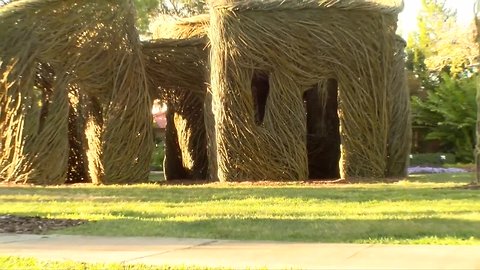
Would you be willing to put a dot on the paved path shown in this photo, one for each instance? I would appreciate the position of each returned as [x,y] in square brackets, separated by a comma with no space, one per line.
[239,254]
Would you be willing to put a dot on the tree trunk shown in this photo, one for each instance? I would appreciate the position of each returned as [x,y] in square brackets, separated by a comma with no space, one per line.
[477,147]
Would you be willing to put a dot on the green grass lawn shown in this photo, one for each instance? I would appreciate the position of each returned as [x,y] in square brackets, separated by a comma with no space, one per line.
[424,209]
[15,263]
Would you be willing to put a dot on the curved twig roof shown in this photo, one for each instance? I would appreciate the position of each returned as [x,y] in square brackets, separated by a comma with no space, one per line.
[383,6]
[196,26]
[176,65]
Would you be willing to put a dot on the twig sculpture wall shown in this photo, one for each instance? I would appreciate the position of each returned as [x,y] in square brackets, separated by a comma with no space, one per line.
[177,75]
[266,54]
[291,90]
[178,71]
[91,46]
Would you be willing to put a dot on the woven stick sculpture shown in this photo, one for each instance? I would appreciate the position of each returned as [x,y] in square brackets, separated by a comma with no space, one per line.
[184,28]
[178,75]
[273,51]
[89,45]
[77,159]
[400,130]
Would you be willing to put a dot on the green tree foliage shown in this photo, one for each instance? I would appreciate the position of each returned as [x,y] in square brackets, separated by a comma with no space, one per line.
[430,22]
[149,9]
[441,58]
[449,115]
[4,2]
[440,45]
[145,10]
[182,8]
[477,148]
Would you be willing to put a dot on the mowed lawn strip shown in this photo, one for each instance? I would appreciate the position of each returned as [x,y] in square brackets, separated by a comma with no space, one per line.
[424,209]
[15,263]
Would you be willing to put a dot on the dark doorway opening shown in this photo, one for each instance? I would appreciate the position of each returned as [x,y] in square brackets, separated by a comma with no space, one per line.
[260,89]
[323,135]
[77,161]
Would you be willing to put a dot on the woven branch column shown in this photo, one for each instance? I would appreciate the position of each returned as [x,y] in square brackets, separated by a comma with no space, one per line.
[185,138]
[172,165]
[292,46]
[93,133]
[363,95]
[14,108]
[400,131]
[49,146]
[211,137]
[190,124]
[127,141]
[35,137]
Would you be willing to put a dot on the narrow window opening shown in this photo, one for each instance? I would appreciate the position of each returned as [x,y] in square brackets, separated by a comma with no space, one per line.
[323,135]
[260,90]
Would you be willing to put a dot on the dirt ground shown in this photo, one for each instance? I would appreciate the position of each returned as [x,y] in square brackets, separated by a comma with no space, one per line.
[34,225]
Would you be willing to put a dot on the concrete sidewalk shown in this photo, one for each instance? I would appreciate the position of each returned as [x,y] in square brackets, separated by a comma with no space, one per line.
[238,254]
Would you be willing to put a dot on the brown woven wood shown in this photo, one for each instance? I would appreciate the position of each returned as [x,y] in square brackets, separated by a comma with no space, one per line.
[400,131]
[91,45]
[296,45]
[197,27]
[178,75]
[183,28]
[392,7]
[252,120]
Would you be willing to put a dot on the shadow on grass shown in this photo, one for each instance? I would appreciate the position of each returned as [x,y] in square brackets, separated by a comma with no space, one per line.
[423,230]
[461,178]
[207,194]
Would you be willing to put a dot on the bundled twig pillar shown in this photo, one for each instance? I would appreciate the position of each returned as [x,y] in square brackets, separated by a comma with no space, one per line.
[399,136]
[34,123]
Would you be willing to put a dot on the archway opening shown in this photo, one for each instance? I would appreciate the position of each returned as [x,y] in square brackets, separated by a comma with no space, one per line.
[323,134]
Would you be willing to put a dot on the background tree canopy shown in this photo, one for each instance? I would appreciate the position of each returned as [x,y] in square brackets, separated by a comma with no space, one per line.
[147,10]
[4,2]
[442,59]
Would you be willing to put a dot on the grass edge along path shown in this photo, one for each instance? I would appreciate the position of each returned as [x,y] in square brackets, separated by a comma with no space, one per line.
[424,209]
[29,263]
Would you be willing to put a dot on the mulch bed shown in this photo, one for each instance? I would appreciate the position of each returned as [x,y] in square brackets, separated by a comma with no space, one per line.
[470,186]
[34,225]
[267,183]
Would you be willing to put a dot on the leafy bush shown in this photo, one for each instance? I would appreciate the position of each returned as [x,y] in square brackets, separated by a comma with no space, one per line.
[157,157]
[431,159]
[448,113]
